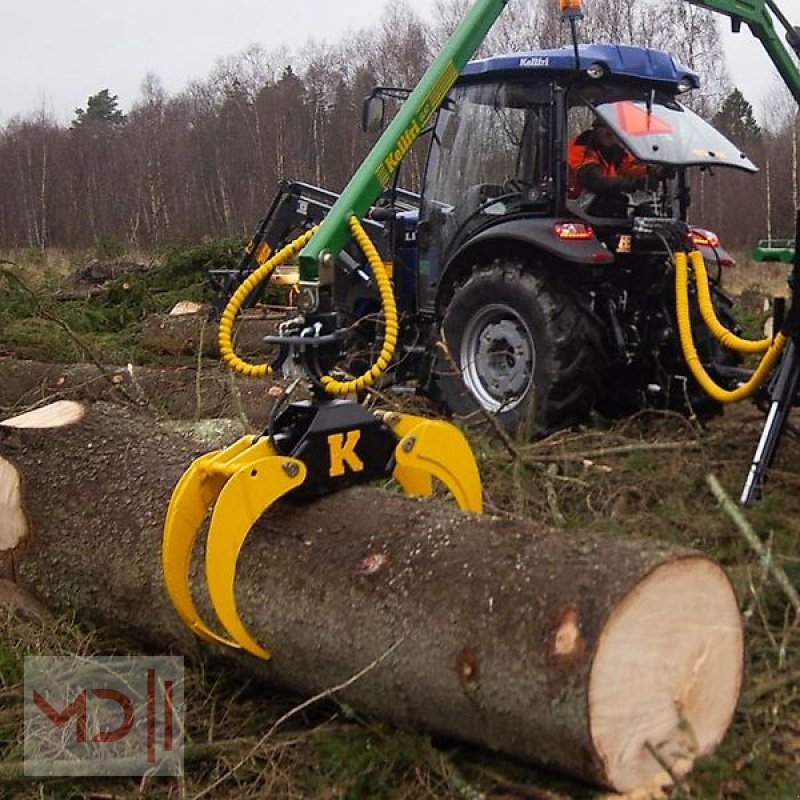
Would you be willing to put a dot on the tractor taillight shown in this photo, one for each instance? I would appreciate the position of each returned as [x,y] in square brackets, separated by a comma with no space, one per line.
[703,238]
[573,231]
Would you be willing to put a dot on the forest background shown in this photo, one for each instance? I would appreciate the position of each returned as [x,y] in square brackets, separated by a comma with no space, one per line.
[206,161]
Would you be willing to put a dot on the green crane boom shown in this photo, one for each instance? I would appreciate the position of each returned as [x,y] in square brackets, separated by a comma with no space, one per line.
[758,16]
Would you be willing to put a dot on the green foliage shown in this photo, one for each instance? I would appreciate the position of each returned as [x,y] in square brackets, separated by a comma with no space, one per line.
[15,301]
[10,665]
[34,256]
[756,777]
[108,247]
[736,120]
[101,108]
[363,762]
[187,266]
[36,326]
[750,314]
[39,339]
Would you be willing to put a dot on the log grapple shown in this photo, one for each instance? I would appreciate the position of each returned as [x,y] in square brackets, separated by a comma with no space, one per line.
[327,444]
[311,448]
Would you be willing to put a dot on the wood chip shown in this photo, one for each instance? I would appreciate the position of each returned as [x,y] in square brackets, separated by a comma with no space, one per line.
[185,307]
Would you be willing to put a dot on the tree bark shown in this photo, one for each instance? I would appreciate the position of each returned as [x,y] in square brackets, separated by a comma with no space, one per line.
[192,333]
[605,658]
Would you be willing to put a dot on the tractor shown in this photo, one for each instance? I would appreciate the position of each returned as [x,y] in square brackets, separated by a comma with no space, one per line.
[502,290]
[518,296]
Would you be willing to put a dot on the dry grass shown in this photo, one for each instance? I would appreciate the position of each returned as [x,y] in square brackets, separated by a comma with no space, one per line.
[768,279]
[58,263]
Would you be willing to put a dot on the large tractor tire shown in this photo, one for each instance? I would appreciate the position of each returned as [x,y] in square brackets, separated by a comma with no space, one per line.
[518,349]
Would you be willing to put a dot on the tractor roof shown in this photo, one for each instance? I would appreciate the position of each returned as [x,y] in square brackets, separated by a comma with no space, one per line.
[653,66]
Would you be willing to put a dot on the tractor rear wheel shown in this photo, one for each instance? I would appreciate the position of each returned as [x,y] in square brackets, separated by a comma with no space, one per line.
[519,349]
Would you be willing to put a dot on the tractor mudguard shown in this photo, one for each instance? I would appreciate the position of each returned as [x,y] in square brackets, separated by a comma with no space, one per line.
[540,234]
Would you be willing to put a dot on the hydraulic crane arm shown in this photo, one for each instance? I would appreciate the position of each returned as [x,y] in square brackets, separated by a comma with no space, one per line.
[758,16]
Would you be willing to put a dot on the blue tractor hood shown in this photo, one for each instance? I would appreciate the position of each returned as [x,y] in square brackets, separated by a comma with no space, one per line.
[624,61]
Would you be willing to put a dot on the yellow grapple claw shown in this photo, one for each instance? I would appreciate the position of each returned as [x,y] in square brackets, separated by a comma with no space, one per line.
[193,495]
[435,448]
[249,492]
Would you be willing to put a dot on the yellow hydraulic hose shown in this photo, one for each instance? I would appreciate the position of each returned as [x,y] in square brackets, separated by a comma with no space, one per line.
[724,336]
[263,273]
[765,366]
[335,387]
[234,306]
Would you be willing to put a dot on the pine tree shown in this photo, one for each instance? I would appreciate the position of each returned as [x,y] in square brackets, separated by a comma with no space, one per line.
[735,119]
[100,108]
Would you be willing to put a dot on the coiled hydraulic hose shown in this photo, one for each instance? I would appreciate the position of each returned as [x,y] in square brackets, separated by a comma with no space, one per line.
[340,388]
[234,306]
[725,337]
[264,272]
[765,366]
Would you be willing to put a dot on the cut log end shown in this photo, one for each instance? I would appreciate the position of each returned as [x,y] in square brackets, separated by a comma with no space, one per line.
[666,674]
[54,415]
[13,524]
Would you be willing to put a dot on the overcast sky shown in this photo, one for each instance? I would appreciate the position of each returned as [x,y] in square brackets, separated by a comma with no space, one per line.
[55,53]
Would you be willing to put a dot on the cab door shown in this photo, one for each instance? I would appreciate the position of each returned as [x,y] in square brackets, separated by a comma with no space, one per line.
[490,157]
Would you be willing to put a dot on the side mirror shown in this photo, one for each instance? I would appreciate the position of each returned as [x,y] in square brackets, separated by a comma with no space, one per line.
[373,114]
[793,38]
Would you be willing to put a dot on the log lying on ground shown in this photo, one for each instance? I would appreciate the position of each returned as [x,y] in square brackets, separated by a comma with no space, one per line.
[605,658]
[187,334]
[180,392]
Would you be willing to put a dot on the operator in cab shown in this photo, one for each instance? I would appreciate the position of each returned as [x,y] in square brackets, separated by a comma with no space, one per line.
[601,171]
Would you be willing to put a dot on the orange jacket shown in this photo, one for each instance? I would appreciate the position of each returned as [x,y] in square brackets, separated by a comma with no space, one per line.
[581,152]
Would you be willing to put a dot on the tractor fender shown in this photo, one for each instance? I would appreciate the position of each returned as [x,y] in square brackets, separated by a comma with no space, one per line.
[540,234]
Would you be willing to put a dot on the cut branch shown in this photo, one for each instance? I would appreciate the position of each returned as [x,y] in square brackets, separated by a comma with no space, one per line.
[751,537]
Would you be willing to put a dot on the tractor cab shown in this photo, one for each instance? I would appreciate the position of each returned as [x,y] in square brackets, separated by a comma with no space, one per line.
[498,162]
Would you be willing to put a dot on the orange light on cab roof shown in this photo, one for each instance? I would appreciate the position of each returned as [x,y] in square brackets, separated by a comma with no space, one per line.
[570,9]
